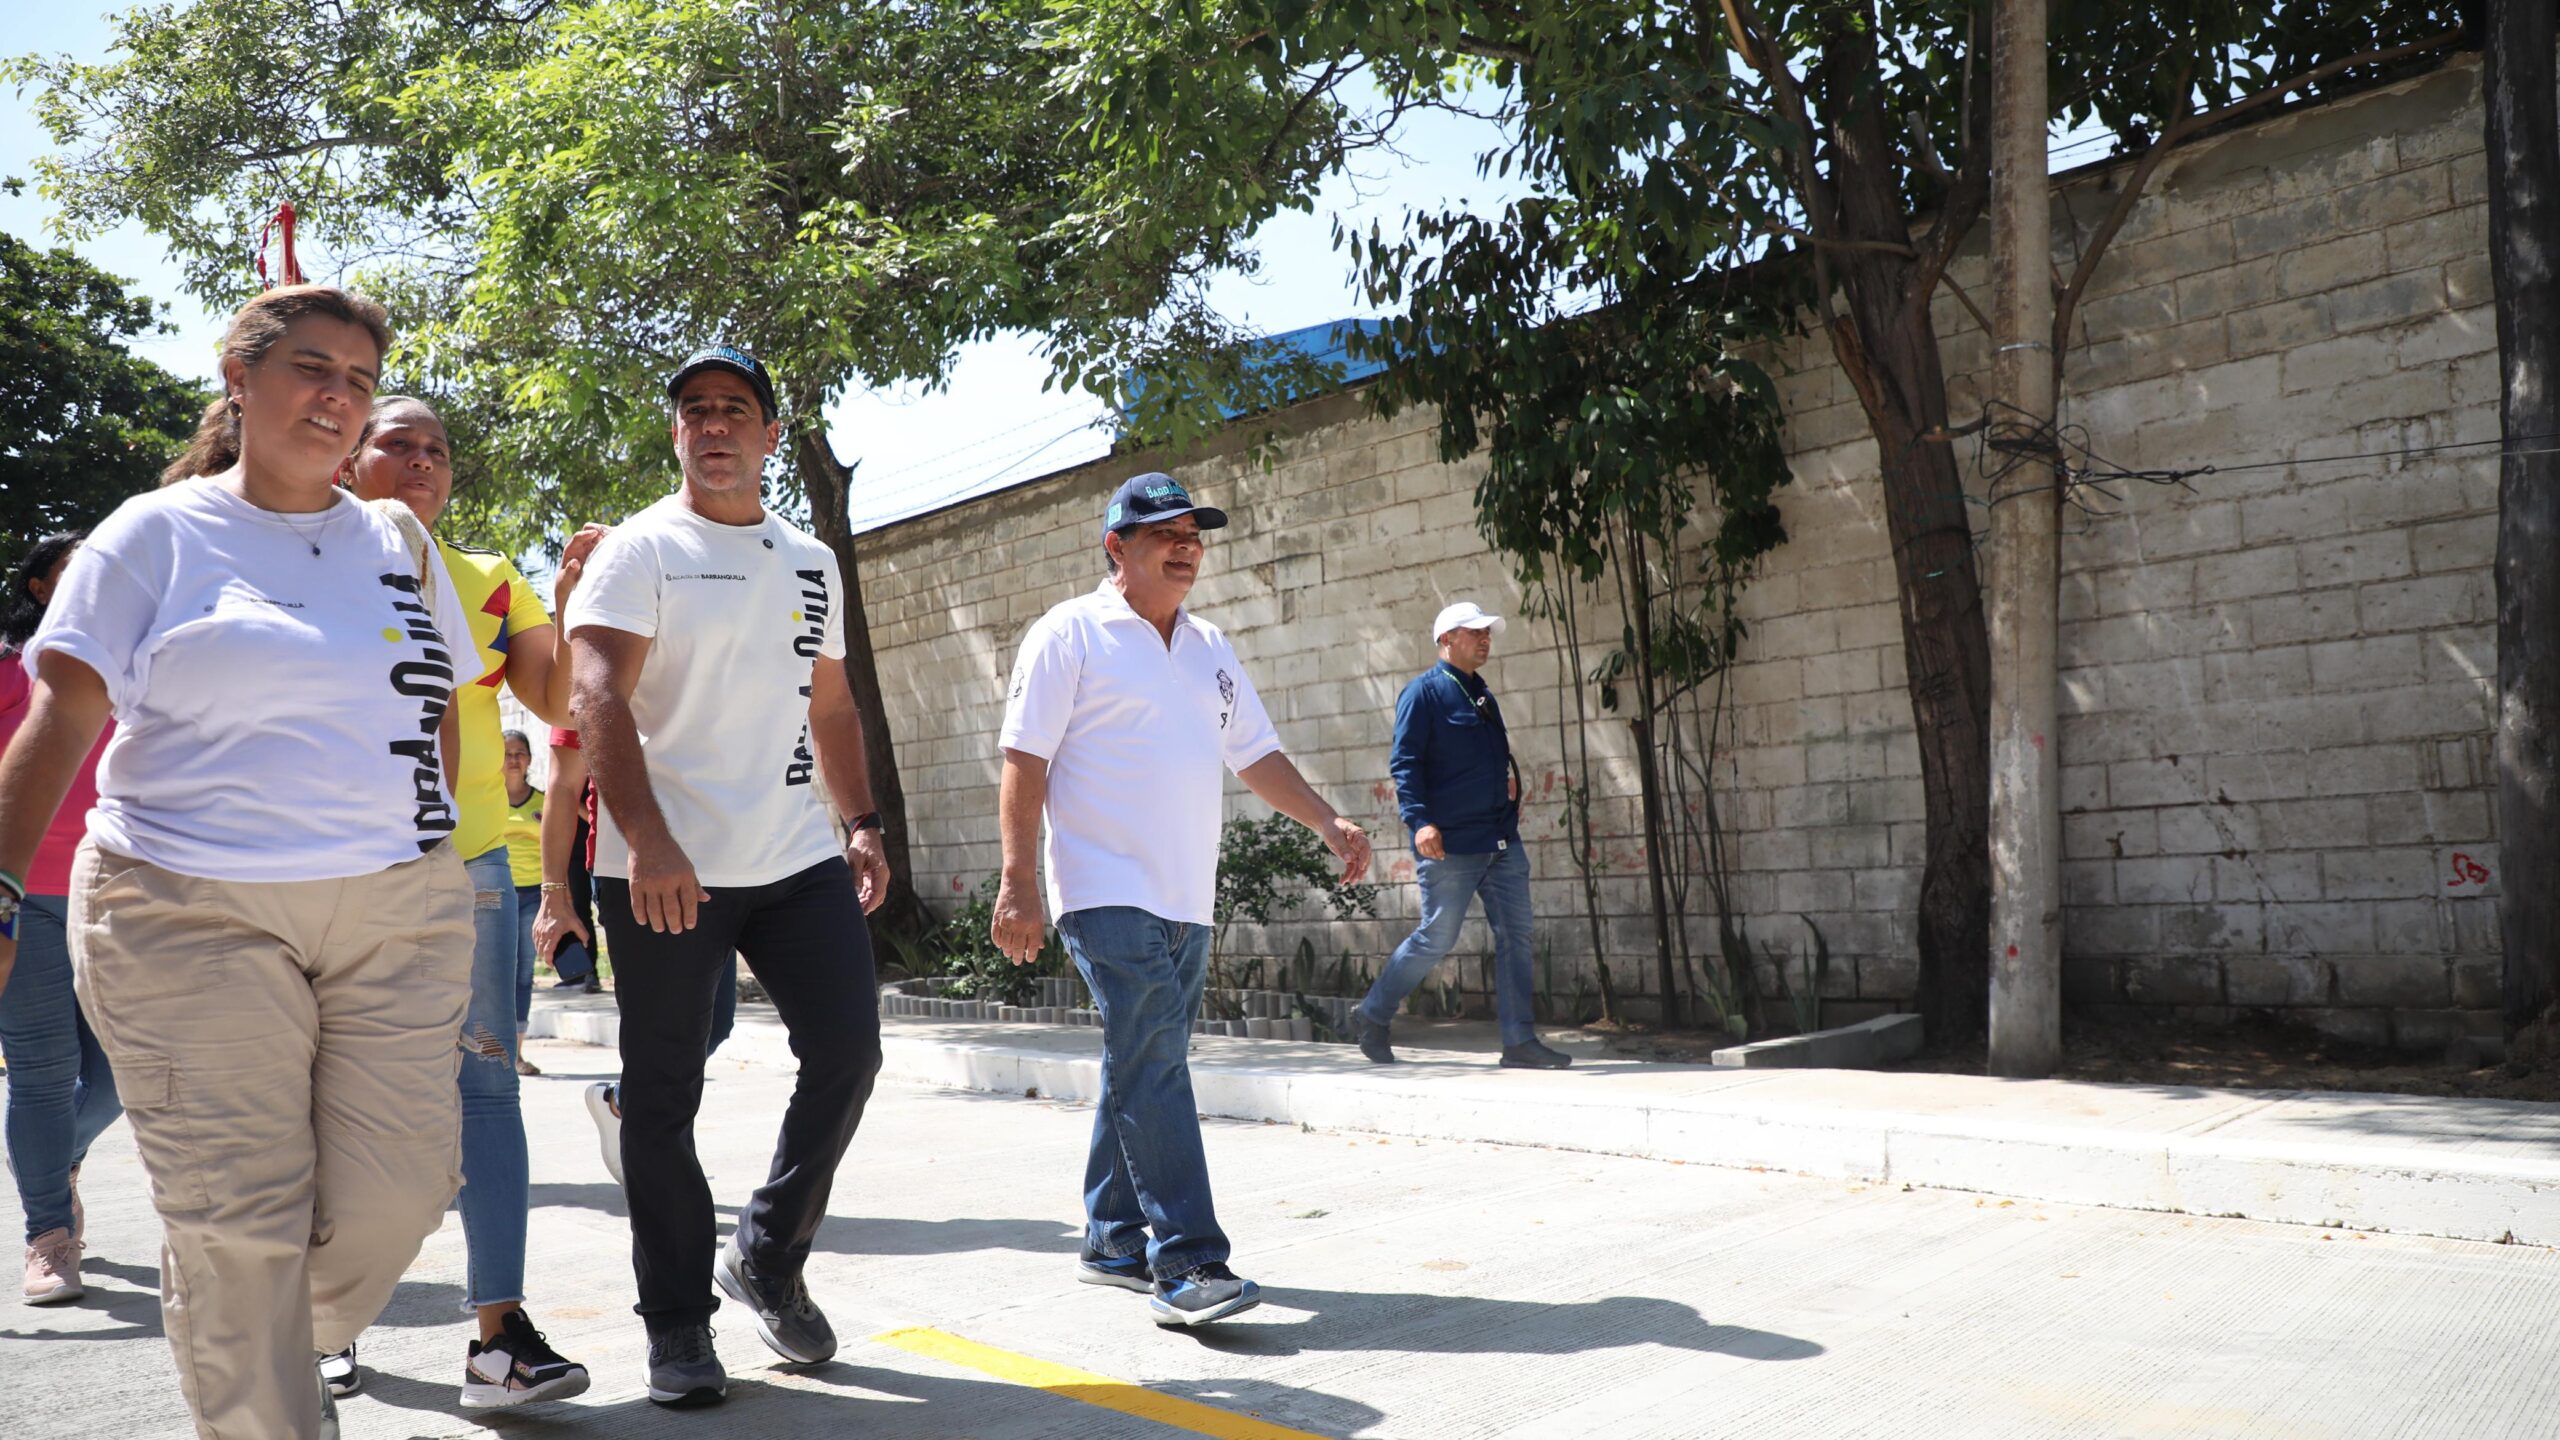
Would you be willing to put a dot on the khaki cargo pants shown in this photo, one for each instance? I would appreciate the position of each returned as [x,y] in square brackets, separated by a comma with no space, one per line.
[286,1053]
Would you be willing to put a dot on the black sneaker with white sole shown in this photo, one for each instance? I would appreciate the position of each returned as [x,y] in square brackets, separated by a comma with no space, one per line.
[684,1371]
[786,1318]
[519,1367]
[1201,1294]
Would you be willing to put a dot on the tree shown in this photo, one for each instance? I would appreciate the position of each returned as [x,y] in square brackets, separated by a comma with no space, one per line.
[559,198]
[2517,85]
[1832,152]
[84,422]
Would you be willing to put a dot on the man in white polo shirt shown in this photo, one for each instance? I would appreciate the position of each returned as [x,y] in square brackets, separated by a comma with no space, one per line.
[1123,708]
[707,646]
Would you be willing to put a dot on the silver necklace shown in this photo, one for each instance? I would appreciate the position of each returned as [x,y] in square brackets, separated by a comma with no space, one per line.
[309,537]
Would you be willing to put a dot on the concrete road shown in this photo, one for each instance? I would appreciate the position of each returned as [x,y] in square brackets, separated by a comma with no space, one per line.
[1413,1289]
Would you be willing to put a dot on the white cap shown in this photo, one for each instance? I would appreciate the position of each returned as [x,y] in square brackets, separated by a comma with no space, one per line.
[1466,615]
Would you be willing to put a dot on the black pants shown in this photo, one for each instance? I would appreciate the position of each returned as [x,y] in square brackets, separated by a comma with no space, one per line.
[805,938]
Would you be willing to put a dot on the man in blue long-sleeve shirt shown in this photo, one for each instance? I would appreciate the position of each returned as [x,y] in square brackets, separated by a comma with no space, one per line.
[1460,796]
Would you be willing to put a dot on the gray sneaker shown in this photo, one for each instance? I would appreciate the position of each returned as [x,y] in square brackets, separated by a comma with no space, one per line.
[786,1318]
[684,1371]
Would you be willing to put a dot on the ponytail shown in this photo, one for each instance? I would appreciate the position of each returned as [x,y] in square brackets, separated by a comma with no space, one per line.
[215,448]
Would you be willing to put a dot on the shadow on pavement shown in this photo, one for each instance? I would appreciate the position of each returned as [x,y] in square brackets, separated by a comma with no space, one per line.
[876,1404]
[135,1311]
[859,1235]
[1350,1320]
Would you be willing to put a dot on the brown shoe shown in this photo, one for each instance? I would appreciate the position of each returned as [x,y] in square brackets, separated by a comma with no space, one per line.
[53,1269]
[527,1067]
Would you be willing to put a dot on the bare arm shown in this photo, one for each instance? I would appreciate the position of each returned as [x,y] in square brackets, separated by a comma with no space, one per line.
[1020,924]
[557,917]
[835,733]
[1275,778]
[605,666]
[66,708]
[538,660]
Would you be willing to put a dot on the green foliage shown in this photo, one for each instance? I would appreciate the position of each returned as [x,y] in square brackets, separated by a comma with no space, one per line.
[1266,866]
[558,199]
[84,422]
[1803,990]
[964,950]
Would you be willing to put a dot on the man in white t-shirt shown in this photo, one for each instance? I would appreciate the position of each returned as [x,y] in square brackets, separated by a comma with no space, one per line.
[1124,706]
[708,651]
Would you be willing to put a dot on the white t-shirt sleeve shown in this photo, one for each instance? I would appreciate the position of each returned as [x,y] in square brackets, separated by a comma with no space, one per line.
[1250,735]
[620,589]
[831,635]
[101,615]
[1043,693]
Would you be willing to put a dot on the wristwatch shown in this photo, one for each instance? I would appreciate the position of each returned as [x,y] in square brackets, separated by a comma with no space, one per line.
[867,820]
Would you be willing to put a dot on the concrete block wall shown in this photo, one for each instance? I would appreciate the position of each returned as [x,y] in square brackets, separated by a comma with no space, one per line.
[2273,739]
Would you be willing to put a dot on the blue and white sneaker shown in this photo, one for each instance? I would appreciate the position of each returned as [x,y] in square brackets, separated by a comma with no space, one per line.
[1123,1272]
[1201,1294]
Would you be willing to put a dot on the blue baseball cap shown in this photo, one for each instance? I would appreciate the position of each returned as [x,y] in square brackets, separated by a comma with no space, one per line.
[1146,499]
[732,359]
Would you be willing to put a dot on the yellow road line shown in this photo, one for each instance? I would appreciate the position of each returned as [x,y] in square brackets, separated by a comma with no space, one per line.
[1090,1388]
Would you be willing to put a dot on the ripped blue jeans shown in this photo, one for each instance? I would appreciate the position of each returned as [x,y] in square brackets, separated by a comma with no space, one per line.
[496,1183]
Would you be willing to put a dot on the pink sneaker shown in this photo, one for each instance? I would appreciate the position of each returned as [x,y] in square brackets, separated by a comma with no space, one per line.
[53,1269]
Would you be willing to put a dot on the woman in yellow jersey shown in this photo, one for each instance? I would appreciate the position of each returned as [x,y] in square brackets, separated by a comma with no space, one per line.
[404,454]
[524,857]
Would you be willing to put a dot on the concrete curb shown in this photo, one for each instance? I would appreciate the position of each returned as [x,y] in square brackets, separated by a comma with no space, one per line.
[2239,1155]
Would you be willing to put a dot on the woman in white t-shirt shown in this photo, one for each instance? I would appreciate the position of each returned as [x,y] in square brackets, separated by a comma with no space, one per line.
[270,932]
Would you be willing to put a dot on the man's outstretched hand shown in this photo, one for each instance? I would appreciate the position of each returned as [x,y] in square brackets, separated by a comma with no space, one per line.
[1350,845]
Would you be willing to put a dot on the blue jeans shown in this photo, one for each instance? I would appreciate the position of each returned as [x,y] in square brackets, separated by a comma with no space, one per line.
[1502,880]
[496,1186]
[61,1093]
[1147,1171]
[569,957]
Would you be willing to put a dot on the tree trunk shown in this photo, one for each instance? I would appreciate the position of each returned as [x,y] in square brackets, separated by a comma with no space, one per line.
[823,478]
[1890,353]
[2025,953]
[1649,778]
[2523,121]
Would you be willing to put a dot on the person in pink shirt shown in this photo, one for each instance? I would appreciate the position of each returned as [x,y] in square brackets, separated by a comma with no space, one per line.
[61,1093]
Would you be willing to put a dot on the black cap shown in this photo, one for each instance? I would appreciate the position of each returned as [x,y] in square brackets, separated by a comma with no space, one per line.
[732,359]
[1146,499]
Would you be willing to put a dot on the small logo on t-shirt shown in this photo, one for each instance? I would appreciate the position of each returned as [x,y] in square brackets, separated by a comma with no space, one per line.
[1226,697]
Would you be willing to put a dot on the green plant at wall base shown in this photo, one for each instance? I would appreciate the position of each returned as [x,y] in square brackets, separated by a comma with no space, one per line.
[1266,866]
[963,950]
[1265,869]
[1813,971]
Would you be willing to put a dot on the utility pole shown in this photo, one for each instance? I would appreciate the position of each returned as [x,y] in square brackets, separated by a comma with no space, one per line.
[2026,822]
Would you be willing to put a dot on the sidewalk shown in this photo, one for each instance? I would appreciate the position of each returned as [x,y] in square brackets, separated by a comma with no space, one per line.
[2463,1169]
